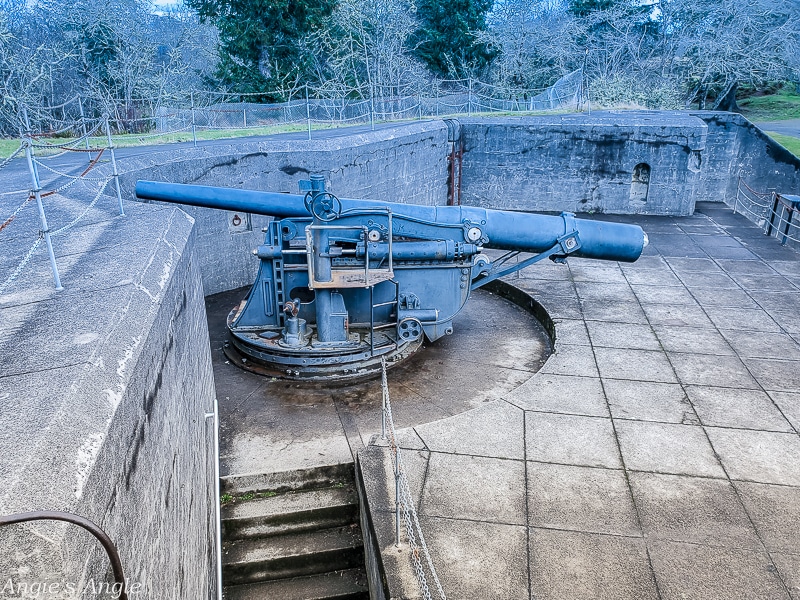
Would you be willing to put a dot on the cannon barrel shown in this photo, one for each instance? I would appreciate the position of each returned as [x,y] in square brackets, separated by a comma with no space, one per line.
[507,230]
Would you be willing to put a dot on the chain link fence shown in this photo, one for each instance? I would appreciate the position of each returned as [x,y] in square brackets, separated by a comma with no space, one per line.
[307,106]
[73,127]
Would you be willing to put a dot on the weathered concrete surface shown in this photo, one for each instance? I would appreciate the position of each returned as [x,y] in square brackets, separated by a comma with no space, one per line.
[270,427]
[583,162]
[407,163]
[655,455]
[104,388]
[737,148]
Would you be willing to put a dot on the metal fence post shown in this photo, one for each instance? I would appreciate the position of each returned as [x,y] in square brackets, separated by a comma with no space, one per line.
[114,171]
[194,127]
[83,128]
[469,98]
[308,113]
[771,223]
[419,106]
[397,496]
[372,109]
[384,393]
[244,117]
[45,232]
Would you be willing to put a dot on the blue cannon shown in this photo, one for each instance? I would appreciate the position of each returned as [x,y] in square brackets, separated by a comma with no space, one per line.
[343,284]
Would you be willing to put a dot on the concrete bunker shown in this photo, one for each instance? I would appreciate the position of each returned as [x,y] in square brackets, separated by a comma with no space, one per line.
[221,260]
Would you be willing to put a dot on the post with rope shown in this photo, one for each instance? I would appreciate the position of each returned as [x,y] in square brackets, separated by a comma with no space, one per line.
[37,189]
[194,127]
[83,129]
[114,172]
[308,113]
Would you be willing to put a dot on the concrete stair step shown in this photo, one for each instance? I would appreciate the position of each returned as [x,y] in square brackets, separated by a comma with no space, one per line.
[290,512]
[293,480]
[337,585]
[292,555]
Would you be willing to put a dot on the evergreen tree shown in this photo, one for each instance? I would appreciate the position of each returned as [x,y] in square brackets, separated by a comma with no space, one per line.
[446,40]
[261,41]
[582,8]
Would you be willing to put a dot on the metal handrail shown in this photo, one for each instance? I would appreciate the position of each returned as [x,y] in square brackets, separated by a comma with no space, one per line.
[99,534]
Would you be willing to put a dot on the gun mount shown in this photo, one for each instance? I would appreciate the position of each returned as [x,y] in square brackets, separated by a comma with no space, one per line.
[344,283]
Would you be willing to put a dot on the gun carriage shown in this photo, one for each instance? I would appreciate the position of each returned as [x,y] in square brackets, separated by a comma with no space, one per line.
[345,283]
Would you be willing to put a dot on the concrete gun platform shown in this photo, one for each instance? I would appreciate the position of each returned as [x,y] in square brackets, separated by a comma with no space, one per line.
[655,455]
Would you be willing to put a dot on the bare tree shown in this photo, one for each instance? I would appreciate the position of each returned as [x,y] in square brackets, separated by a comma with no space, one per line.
[364,52]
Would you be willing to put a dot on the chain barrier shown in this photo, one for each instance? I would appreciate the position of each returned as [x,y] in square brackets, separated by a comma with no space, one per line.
[405,502]
[775,213]
[13,155]
[13,216]
[45,166]
[75,221]
[37,194]
[21,265]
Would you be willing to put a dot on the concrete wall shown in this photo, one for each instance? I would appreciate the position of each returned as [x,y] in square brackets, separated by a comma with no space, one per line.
[737,148]
[583,163]
[407,163]
[105,386]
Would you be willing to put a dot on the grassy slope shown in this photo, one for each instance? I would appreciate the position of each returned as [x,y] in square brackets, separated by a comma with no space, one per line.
[792,144]
[776,107]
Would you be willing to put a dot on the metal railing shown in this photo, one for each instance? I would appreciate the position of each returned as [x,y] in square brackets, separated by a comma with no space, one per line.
[775,213]
[404,502]
[99,534]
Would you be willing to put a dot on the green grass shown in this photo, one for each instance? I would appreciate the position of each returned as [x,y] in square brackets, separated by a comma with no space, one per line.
[792,144]
[128,140]
[785,104]
[8,146]
[231,499]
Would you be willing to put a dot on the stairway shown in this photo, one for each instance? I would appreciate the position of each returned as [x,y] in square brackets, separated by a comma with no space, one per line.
[301,544]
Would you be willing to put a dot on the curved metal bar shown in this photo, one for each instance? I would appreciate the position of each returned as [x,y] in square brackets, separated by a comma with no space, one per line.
[99,534]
